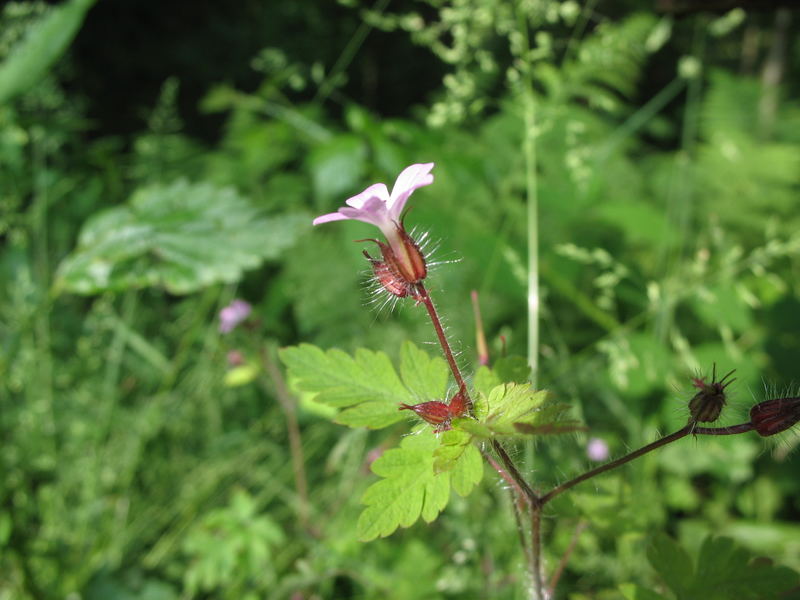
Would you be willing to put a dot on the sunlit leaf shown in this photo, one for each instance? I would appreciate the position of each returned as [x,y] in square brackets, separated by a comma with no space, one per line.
[410,487]
[366,385]
[181,236]
[424,376]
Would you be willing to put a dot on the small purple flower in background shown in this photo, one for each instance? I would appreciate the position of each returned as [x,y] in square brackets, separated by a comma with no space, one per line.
[233,314]
[597,450]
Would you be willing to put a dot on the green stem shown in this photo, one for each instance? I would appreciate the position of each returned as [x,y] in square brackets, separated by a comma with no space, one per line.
[536,551]
[288,404]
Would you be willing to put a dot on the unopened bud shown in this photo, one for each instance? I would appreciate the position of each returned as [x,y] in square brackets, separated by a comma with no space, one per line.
[434,412]
[438,413]
[407,258]
[388,279]
[458,406]
[776,415]
[403,265]
[706,405]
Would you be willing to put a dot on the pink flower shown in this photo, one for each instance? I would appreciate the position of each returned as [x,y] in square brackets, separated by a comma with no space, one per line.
[597,450]
[233,314]
[376,206]
[403,265]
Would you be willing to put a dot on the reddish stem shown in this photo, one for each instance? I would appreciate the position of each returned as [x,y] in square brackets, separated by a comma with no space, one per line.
[424,297]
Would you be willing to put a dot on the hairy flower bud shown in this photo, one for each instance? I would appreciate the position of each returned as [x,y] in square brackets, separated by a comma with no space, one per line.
[407,258]
[776,415]
[400,270]
[388,279]
[438,413]
[458,404]
[434,412]
[706,405]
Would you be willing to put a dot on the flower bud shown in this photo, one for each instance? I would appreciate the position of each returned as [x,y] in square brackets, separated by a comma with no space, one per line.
[458,404]
[438,413]
[776,415]
[403,265]
[406,257]
[388,279]
[706,405]
[434,412]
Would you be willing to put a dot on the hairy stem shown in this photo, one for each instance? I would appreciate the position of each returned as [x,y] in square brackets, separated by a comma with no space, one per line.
[689,429]
[425,298]
[531,496]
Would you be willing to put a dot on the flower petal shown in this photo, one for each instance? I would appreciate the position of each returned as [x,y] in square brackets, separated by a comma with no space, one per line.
[336,216]
[410,179]
[377,190]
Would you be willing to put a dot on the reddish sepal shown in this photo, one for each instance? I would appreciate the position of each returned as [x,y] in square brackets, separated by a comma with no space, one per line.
[776,415]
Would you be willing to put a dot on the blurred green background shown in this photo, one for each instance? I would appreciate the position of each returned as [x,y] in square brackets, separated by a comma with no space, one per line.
[159,159]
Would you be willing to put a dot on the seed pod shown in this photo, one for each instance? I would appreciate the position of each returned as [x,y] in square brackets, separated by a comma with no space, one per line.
[776,415]
[458,404]
[706,405]
[388,279]
[434,412]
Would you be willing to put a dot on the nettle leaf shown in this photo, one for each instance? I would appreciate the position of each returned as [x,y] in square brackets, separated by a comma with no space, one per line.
[514,409]
[724,570]
[410,487]
[365,386]
[182,237]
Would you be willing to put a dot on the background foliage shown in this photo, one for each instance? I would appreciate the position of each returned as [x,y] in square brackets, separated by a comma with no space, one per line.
[160,159]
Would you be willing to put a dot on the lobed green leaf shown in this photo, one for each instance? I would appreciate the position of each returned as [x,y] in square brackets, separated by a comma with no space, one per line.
[424,376]
[724,570]
[411,488]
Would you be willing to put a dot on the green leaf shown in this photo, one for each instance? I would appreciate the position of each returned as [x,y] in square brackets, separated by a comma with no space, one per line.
[514,409]
[337,166]
[453,445]
[724,571]
[29,60]
[366,386]
[180,236]
[468,471]
[485,380]
[410,488]
[672,562]
[424,376]
[512,369]
[631,591]
[241,375]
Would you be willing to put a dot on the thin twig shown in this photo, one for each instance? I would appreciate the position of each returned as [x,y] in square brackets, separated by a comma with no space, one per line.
[562,564]
[536,550]
[289,406]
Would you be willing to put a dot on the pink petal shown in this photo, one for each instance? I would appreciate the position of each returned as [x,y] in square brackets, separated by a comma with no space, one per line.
[377,190]
[410,179]
[329,217]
